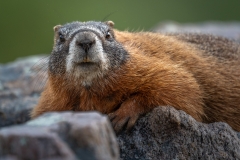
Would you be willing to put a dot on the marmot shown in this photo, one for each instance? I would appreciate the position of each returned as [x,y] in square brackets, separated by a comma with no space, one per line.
[123,74]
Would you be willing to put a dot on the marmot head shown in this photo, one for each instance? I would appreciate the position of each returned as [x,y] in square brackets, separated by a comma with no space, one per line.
[85,51]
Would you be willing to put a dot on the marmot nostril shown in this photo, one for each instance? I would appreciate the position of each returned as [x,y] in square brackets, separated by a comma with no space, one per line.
[86,44]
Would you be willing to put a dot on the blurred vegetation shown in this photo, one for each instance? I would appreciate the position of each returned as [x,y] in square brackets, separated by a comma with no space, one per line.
[26,25]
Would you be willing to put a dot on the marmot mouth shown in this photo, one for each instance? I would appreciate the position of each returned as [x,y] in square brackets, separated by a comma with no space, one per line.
[86,64]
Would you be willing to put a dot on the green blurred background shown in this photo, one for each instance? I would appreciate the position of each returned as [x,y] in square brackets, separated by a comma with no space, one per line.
[26,25]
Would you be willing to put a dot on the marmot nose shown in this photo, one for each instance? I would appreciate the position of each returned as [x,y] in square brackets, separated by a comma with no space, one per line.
[86,44]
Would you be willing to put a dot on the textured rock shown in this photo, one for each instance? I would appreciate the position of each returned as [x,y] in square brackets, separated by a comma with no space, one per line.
[67,135]
[16,110]
[20,87]
[229,30]
[166,133]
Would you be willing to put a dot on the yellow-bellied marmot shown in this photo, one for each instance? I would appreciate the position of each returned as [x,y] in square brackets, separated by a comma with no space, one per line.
[125,75]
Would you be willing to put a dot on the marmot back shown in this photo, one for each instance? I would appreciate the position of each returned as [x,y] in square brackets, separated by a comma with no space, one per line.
[125,75]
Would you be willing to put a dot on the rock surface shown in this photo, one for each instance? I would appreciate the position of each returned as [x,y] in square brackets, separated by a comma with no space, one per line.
[229,30]
[62,136]
[20,88]
[166,133]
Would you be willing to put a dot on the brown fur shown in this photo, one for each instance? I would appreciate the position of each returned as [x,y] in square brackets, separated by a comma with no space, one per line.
[198,74]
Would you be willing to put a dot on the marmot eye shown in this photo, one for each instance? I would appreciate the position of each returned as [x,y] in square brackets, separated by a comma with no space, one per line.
[108,35]
[61,37]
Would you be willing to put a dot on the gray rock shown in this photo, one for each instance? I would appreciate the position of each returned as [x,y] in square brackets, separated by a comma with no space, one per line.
[67,135]
[166,133]
[16,111]
[229,30]
[23,77]
[21,83]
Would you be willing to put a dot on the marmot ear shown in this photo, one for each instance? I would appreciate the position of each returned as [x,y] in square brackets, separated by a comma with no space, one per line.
[110,23]
[56,28]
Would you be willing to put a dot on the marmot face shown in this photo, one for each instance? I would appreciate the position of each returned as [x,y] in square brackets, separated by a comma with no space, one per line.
[85,51]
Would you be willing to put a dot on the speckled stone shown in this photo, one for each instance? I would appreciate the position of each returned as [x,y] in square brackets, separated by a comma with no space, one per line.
[166,133]
[62,136]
